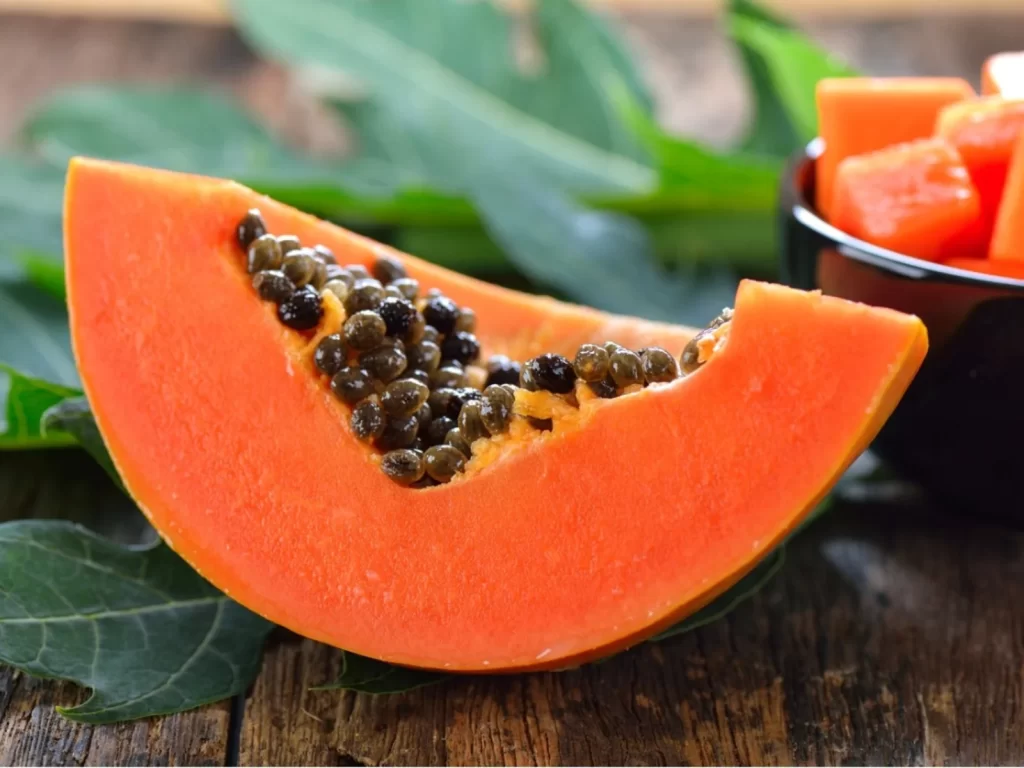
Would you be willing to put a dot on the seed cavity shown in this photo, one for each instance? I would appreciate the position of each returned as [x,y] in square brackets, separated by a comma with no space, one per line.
[325,254]
[288,243]
[364,330]
[404,398]
[471,423]
[330,354]
[250,227]
[591,363]
[441,313]
[552,373]
[339,288]
[365,293]
[502,370]
[302,310]
[403,466]
[273,285]
[387,269]
[448,376]
[625,368]
[368,420]
[406,361]
[443,462]
[300,266]
[399,433]
[658,365]
[398,314]
[455,439]
[385,362]
[264,253]
[605,388]
[353,384]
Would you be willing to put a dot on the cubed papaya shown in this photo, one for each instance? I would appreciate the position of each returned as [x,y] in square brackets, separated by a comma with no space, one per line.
[863,114]
[1008,237]
[1003,75]
[984,132]
[915,198]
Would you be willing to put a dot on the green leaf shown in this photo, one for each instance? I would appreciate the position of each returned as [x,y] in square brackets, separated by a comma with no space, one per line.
[574,37]
[44,272]
[25,401]
[597,258]
[443,75]
[73,418]
[182,129]
[699,176]
[771,132]
[793,65]
[31,196]
[138,626]
[364,675]
[34,336]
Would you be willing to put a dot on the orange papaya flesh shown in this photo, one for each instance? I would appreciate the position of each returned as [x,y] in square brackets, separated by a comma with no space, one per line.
[864,114]
[563,550]
[984,132]
[1008,237]
[915,198]
[1003,75]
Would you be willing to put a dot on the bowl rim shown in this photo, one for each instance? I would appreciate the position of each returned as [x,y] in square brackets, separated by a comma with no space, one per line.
[899,264]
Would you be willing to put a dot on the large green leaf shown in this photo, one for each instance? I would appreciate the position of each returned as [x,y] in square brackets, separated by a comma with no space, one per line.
[443,76]
[596,258]
[138,626]
[34,335]
[183,129]
[577,46]
[72,418]
[771,132]
[699,177]
[794,64]
[25,401]
[765,42]
[30,212]
[578,41]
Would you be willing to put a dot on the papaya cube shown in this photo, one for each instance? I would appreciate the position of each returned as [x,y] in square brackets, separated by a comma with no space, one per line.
[1003,75]
[984,132]
[1008,238]
[915,198]
[862,114]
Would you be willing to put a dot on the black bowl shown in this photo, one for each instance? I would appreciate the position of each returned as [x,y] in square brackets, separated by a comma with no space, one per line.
[959,430]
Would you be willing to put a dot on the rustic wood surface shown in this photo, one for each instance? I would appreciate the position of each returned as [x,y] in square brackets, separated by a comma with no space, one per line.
[891,636]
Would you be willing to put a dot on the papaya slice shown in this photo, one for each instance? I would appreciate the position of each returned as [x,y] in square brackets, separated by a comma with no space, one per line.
[984,132]
[864,114]
[1008,237]
[915,198]
[565,544]
[1003,75]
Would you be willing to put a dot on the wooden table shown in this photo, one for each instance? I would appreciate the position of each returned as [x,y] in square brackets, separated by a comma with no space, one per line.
[892,635]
